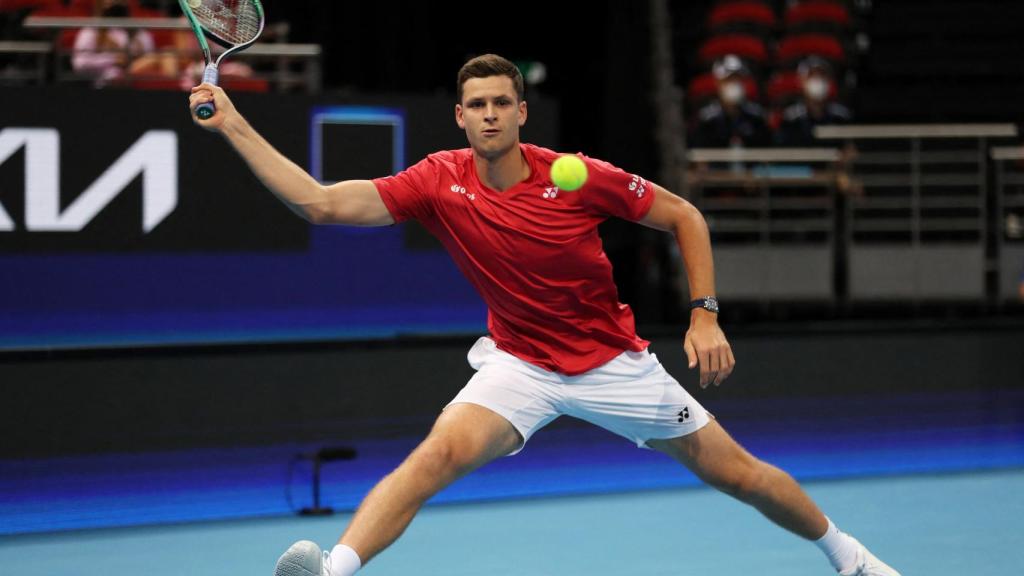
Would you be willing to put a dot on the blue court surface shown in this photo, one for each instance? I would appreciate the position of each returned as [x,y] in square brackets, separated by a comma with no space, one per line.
[934,484]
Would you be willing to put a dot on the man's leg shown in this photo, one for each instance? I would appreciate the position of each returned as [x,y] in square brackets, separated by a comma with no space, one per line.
[465,437]
[720,461]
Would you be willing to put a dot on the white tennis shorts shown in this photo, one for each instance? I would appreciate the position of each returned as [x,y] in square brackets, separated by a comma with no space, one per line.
[632,395]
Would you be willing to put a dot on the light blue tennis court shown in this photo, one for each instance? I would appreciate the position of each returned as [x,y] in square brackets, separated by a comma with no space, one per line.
[929,494]
[947,524]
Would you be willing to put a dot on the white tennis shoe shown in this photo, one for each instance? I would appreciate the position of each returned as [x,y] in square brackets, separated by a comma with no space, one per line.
[868,565]
[304,558]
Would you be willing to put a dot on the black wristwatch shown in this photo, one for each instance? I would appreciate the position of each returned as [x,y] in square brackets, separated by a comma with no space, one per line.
[709,303]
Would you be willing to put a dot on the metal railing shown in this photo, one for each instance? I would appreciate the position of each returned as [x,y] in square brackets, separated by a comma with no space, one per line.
[917,230]
[895,213]
[771,214]
[1009,215]
[39,53]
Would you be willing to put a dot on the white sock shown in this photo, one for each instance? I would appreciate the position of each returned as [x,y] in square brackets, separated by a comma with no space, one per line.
[838,547]
[344,561]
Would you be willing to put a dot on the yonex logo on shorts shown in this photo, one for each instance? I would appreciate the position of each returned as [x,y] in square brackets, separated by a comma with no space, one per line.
[684,414]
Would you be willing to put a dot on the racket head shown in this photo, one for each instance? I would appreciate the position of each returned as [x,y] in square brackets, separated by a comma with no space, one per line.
[234,24]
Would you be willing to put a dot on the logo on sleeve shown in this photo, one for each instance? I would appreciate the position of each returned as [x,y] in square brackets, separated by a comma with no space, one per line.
[638,186]
[462,190]
[550,193]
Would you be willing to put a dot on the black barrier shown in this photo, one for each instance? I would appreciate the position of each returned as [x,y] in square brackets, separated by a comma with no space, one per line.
[111,401]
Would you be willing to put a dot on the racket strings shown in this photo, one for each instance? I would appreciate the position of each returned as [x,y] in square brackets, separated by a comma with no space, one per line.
[236,21]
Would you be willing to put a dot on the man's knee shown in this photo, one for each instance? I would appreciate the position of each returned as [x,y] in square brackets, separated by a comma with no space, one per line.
[719,461]
[441,457]
[743,481]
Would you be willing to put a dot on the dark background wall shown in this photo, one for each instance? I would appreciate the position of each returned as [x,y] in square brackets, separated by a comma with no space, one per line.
[130,400]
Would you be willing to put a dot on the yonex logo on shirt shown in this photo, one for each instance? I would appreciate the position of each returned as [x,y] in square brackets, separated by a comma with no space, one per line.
[550,193]
[462,190]
[638,185]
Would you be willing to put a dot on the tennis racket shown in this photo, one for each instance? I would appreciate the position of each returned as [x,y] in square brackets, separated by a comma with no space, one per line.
[234,24]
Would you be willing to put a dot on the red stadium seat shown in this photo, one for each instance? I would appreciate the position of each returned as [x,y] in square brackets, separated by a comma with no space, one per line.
[745,15]
[817,14]
[84,8]
[702,89]
[155,83]
[66,38]
[162,39]
[244,84]
[783,88]
[746,46]
[16,5]
[792,49]
[232,83]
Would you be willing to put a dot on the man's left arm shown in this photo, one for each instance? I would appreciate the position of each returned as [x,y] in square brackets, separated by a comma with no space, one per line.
[705,343]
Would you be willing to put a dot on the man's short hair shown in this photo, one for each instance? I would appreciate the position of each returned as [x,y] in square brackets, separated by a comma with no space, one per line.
[491,65]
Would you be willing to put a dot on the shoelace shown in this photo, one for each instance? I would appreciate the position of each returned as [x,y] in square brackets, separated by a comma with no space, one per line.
[325,564]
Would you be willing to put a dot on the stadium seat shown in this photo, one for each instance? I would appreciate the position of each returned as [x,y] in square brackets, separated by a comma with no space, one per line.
[792,49]
[748,47]
[66,38]
[817,16]
[16,5]
[245,84]
[232,83]
[744,17]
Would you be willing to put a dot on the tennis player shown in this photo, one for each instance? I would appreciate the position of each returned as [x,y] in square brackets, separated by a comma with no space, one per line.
[559,342]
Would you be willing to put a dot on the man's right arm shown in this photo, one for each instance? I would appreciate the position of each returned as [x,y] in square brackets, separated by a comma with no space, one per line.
[353,202]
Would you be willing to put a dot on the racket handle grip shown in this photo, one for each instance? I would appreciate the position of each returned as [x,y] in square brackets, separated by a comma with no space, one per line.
[207,110]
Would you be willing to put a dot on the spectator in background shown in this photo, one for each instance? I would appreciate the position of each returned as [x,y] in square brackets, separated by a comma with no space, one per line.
[815,108]
[731,120]
[107,53]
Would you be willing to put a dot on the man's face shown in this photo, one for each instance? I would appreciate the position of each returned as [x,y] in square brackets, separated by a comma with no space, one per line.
[490,115]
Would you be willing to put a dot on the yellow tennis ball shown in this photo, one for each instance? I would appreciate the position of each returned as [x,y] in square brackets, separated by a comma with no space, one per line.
[569,173]
[194,3]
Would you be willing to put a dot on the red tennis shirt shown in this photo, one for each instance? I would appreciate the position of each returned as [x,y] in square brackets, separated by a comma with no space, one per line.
[532,251]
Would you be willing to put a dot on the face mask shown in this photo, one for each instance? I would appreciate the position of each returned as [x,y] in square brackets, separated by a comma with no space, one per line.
[816,88]
[733,92]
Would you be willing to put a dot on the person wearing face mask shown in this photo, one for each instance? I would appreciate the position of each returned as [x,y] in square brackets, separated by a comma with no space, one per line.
[107,53]
[815,108]
[732,120]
